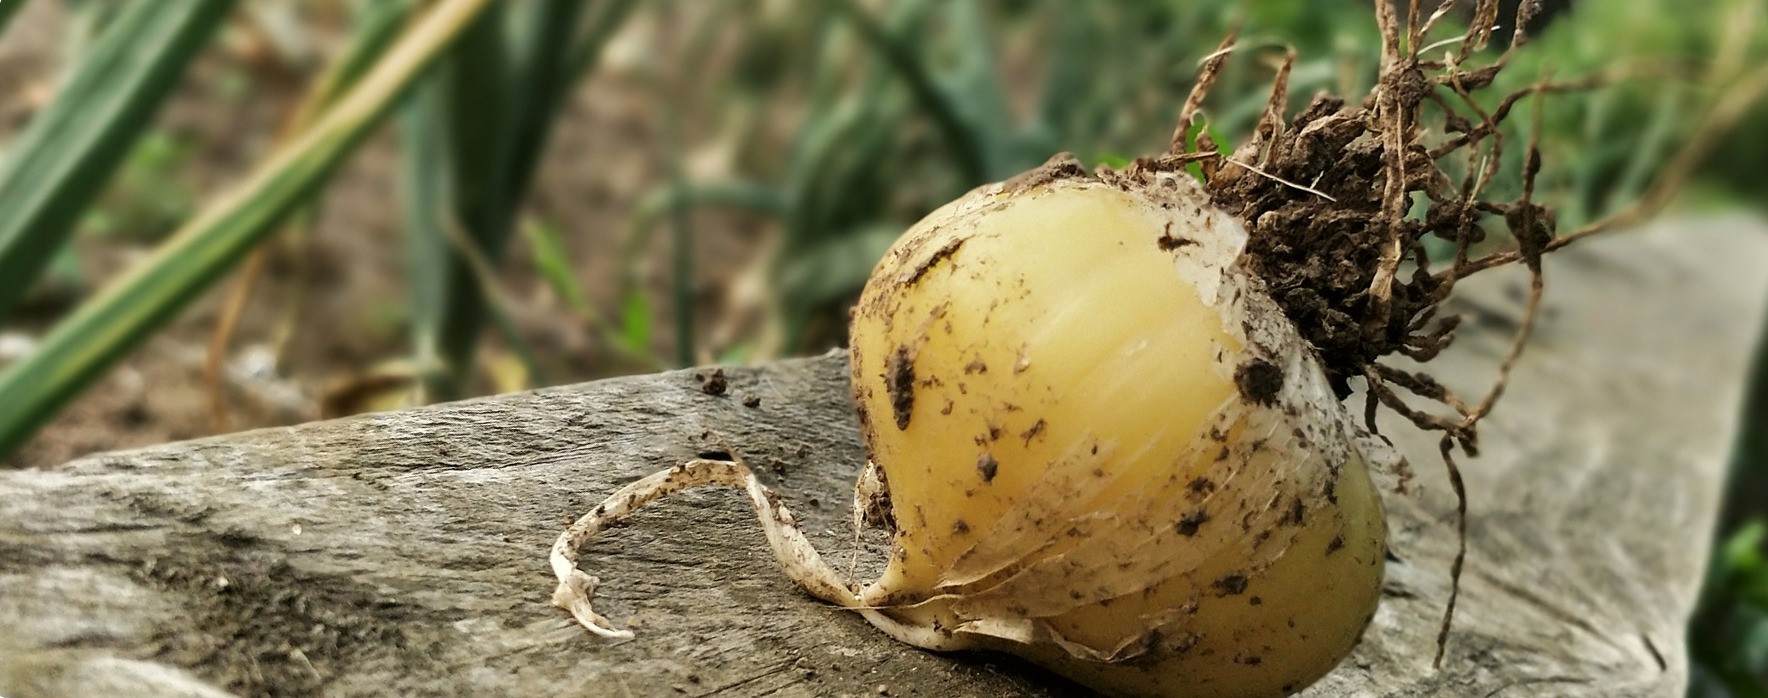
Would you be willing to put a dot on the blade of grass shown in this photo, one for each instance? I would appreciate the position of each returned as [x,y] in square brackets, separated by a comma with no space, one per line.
[553,67]
[824,152]
[126,310]
[681,245]
[1075,47]
[966,150]
[984,105]
[1653,147]
[8,8]
[681,238]
[476,106]
[839,169]
[1588,170]
[67,153]
[587,54]
[635,324]
[506,82]
[737,195]
[376,28]
[86,20]
[551,61]
[542,77]
[831,55]
[425,194]
[676,198]
[554,264]
[495,300]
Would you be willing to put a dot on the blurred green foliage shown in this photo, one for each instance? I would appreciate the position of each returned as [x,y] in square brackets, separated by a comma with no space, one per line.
[77,143]
[475,136]
[1669,63]
[1730,642]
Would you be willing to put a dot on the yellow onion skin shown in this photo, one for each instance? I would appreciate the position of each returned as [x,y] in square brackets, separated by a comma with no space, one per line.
[1105,448]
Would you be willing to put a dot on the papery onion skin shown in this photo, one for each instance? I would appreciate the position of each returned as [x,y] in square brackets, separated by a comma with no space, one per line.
[1106,450]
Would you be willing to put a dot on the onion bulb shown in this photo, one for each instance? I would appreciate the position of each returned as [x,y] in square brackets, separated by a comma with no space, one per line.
[1103,446]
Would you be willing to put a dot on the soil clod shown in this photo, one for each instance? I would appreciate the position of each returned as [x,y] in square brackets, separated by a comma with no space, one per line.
[713,382]
[1259,381]
[900,382]
[986,466]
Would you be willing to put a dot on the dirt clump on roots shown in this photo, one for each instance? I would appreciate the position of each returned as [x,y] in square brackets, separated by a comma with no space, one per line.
[1339,200]
[1328,197]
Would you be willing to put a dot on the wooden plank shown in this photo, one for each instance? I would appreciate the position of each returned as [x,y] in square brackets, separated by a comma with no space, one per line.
[404,553]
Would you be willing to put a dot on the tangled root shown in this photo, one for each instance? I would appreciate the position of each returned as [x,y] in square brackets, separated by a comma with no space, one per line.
[1327,197]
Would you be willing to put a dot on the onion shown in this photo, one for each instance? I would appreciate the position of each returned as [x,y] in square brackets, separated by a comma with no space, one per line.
[1103,446]
[1104,442]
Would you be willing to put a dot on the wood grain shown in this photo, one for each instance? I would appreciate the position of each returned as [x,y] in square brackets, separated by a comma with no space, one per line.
[405,553]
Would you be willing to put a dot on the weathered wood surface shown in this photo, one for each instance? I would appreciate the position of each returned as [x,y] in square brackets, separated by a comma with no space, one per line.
[405,553]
